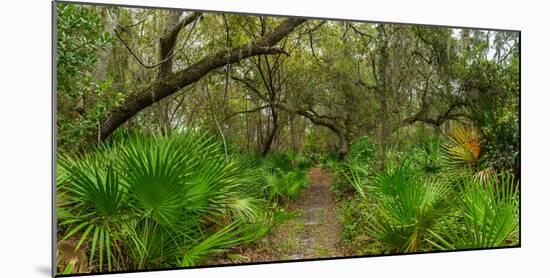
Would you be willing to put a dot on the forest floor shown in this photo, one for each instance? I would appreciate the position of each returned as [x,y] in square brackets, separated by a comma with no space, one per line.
[312,229]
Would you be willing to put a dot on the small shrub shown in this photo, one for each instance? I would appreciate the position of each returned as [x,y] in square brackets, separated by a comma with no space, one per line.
[427,154]
[354,215]
[283,186]
[407,208]
[488,215]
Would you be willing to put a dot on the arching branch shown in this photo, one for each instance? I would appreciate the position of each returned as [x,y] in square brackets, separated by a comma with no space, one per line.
[439,119]
[244,112]
[164,87]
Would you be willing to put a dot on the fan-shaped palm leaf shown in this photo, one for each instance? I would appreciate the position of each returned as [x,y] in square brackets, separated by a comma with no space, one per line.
[408,207]
[489,215]
[94,205]
[463,147]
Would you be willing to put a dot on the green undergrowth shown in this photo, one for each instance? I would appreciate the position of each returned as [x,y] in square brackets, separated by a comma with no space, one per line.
[434,195]
[146,201]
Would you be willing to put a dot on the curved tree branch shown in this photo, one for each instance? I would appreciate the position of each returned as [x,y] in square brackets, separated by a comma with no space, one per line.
[245,112]
[437,121]
[164,87]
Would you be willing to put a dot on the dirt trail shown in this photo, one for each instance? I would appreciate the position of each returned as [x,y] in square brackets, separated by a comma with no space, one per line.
[313,232]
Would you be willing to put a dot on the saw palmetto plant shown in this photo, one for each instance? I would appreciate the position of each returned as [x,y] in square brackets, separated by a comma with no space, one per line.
[356,173]
[488,215]
[94,206]
[158,197]
[428,153]
[408,207]
[356,167]
[463,147]
[284,186]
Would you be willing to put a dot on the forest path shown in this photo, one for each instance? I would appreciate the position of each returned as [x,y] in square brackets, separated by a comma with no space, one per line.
[312,230]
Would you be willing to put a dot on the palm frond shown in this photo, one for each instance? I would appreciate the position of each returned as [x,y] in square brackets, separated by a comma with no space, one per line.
[95,203]
[489,215]
[463,147]
[233,234]
[408,207]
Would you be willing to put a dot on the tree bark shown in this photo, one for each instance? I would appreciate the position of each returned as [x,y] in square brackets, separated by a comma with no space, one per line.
[272,132]
[172,83]
[167,42]
[383,85]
